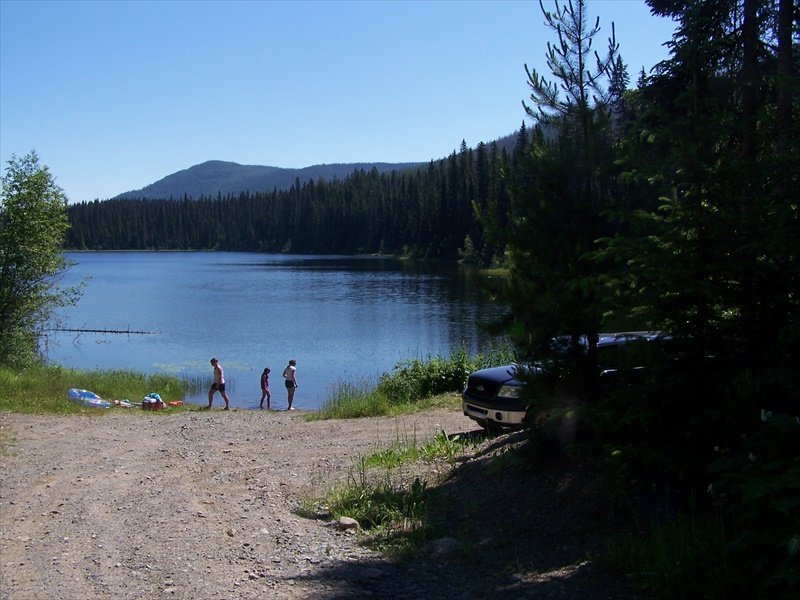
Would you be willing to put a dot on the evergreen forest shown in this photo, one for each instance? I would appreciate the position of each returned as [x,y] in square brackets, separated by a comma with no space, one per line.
[427,212]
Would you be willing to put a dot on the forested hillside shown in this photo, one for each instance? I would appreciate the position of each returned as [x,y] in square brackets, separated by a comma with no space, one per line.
[429,211]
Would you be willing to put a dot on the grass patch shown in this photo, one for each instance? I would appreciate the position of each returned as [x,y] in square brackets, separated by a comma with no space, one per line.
[678,558]
[413,385]
[43,389]
[349,404]
[441,447]
[348,399]
[391,508]
[392,515]
[381,504]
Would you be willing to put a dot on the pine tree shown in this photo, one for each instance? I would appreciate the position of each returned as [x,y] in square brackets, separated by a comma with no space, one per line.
[559,194]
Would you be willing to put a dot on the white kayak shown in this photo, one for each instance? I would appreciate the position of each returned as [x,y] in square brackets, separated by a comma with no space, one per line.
[87,398]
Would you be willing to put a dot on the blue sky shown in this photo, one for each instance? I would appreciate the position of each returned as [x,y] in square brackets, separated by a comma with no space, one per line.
[116,95]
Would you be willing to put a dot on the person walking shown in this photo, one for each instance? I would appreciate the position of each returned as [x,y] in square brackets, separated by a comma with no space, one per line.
[218,385]
[290,379]
[265,388]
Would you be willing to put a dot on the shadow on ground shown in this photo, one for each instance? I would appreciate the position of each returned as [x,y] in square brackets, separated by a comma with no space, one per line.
[524,531]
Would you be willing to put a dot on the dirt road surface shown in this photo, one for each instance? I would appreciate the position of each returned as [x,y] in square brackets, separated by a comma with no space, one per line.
[201,505]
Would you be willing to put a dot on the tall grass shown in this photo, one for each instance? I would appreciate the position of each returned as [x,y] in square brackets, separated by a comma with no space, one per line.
[350,399]
[43,389]
[685,558]
[373,505]
[441,446]
[412,385]
[391,508]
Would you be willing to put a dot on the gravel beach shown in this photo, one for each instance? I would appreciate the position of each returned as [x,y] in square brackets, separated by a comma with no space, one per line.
[203,505]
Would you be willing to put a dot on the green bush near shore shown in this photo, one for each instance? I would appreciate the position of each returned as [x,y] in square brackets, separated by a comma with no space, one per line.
[412,385]
[43,389]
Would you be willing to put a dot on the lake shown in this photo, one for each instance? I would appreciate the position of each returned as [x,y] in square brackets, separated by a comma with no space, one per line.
[342,318]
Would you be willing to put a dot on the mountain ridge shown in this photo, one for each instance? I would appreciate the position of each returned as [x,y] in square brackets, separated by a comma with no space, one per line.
[225,178]
[214,177]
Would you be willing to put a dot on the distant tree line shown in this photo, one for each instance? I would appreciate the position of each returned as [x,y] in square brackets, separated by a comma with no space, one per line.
[428,212]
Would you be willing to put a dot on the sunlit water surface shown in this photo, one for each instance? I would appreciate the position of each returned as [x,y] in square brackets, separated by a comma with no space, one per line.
[341,318]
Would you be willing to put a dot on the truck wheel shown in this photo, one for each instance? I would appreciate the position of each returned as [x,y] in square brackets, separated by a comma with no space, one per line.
[491,427]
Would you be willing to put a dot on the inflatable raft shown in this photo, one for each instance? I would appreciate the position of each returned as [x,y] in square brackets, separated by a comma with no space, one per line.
[88,399]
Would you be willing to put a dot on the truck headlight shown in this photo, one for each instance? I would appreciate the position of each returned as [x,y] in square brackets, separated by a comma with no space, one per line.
[509,391]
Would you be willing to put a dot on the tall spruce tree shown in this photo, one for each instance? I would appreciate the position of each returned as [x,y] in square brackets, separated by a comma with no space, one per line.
[559,194]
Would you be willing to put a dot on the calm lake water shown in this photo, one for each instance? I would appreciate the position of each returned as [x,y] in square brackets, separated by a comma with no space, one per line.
[341,318]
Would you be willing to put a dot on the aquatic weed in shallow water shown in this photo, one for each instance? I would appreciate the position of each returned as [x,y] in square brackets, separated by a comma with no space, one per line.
[349,399]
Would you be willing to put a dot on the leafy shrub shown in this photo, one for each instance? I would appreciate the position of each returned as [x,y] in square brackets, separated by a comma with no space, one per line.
[410,383]
[757,487]
[704,438]
[415,379]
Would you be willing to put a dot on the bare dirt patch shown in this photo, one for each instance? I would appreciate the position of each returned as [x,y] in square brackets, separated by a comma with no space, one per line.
[202,505]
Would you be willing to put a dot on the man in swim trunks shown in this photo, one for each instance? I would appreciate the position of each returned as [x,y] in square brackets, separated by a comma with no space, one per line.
[218,385]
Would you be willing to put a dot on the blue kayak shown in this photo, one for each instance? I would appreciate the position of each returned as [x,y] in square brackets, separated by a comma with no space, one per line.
[88,399]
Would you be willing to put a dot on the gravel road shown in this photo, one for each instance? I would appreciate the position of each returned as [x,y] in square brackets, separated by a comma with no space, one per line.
[201,505]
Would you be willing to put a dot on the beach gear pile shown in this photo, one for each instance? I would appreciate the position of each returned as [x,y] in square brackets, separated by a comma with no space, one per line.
[89,399]
[152,401]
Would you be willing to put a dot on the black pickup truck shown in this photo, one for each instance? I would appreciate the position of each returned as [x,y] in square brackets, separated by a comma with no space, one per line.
[491,396]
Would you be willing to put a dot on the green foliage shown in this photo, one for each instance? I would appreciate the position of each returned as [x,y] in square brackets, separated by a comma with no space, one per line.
[43,389]
[709,442]
[706,251]
[578,85]
[678,215]
[685,558]
[416,379]
[386,507]
[446,447]
[467,254]
[36,390]
[441,446]
[756,484]
[412,385]
[392,509]
[348,399]
[745,540]
[380,505]
[33,222]
[562,184]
